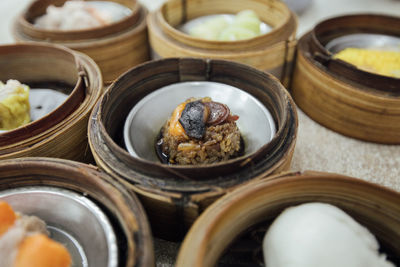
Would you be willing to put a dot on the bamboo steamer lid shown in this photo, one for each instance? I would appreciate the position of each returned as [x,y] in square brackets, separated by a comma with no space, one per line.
[340,96]
[245,214]
[115,47]
[63,132]
[174,195]
[271,52]
[121,207]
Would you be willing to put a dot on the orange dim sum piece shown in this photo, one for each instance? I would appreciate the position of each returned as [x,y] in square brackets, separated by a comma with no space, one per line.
[175,127]
[7,217]
[40,251]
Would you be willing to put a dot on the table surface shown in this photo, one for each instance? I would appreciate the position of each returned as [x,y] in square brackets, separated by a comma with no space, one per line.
[318,148]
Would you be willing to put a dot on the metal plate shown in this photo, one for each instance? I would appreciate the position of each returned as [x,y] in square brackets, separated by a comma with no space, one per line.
[364,40]
[42,102]
[150,114]
[72,220]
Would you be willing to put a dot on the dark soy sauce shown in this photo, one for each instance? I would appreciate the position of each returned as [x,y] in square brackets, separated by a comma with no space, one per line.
[164,158]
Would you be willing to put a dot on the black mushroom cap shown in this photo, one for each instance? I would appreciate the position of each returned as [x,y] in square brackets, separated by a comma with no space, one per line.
[198,114]
[193,119]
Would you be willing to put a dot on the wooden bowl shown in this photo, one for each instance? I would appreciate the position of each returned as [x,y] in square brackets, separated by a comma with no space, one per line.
[271,52]
[235,224]
[73,186]
[175,195]
[340,96]
[63,132]
[115,47]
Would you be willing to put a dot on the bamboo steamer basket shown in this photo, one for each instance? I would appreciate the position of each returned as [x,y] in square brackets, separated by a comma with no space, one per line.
[272,52]
[121,207]
[235,225]
[115,47]
[63,132]
[340,96]
[174,195]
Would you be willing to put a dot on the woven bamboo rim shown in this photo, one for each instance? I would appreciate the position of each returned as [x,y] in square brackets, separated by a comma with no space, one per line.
[373,206]
[325,31]
[62,133]
[162,188]
[115,47]
[273,51]
[173,13]
[352,102]
[38,8]
[123,205]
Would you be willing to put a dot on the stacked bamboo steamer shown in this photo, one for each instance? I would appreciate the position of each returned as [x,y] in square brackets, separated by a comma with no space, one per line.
[162,203]
[235,225]
[115,47]
[174,195]
[75,188]
[272,52]
[63,132]
[340,96]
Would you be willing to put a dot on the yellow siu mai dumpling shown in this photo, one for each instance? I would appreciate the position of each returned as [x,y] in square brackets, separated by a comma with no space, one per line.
[14,105]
